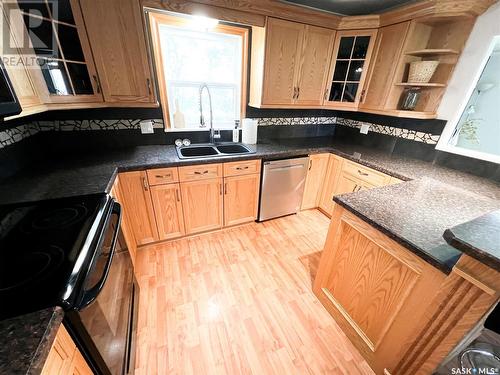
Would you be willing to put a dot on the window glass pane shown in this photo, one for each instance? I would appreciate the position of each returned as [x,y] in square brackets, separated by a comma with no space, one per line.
[70,43]
[340,70]
[37,8]
[355,70]
[42,36]
[350,92]
[360,47]
[56,78]
[80,79]
[192,58]
[63,12]
[336,91]
[345,47]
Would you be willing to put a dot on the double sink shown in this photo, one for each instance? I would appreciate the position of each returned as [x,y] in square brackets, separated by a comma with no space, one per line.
[213,150]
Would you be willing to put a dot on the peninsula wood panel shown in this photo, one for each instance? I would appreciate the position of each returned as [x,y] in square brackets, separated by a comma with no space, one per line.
[314,65]
[167,206]
[79,366]
[388,47]
[138,206]
[326,203]
[241,199]
[202,205]
[282,56]
[318,167]
[375,289]
[118,43]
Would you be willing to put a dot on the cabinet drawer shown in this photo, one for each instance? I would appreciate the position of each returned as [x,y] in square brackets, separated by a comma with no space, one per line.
[239,168]
[161,176]
[200,172]
[366,174]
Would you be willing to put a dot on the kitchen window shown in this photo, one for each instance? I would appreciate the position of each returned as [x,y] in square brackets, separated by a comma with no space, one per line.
[188,54]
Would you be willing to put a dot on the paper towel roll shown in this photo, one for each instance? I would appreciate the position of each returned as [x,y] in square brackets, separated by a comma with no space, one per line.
[249,131]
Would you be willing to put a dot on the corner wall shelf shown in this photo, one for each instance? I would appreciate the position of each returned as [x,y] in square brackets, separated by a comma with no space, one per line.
[428,52]
[417,84]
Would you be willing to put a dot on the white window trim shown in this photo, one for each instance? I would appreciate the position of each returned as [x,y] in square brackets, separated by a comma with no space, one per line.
[476,53]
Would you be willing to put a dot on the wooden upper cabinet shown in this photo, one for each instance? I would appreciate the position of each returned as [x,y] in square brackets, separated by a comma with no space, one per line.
[315,58]
[290,63]
[318,167]
[168,210]
[202,205]
[283,46]
[138,206]
[241,198]
[350,61]
[117,38]
[379,81]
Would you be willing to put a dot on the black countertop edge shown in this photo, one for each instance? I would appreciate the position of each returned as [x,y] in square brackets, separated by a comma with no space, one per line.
[471,250]
[421,253]
[26,341]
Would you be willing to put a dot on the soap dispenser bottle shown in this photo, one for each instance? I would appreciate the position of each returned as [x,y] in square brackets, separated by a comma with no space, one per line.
[236,131]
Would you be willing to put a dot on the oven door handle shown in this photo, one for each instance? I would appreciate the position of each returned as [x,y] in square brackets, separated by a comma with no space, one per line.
[92,294]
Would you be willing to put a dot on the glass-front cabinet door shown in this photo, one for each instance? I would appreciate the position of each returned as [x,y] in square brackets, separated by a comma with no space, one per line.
[58,40]
[351,57]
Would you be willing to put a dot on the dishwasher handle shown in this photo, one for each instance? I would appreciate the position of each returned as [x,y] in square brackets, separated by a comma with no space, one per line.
[288,167]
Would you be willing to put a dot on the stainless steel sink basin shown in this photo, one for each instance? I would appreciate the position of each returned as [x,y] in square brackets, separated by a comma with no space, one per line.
[213,150]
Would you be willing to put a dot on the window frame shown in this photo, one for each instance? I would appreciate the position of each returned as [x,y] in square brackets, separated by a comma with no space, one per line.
[448,131]
[158,18]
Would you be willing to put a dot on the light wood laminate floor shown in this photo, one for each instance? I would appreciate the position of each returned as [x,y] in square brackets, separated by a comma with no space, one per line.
[239,301]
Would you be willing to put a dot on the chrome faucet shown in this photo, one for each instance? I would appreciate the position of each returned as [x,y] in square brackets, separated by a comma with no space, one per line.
[213,134]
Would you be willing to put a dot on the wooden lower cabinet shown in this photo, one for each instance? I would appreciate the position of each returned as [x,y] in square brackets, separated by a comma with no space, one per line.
[375,289]
[241,199]
[138,205]
[126,227]
[167,206]
[326,203]
[318,167]
[64,357]
[202,205]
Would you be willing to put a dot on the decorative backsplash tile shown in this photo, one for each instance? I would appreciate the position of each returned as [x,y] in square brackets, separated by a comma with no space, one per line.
[13,135]
[16,134]
[264,121]
[413,135]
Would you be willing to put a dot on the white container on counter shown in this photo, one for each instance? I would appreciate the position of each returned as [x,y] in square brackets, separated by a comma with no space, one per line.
[249,131]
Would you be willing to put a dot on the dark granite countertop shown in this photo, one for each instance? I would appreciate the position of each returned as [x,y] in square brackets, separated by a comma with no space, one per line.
[25,341]
[478,238]
[416,213]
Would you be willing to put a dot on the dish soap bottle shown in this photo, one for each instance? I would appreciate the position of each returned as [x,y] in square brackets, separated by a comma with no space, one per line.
[236,131]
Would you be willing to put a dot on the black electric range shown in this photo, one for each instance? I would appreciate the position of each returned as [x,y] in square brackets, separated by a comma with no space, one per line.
[71,253]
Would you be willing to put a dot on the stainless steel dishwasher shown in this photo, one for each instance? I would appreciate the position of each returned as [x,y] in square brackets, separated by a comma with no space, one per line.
[282,187]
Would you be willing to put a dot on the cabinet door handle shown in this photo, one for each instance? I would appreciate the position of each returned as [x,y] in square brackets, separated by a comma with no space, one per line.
[163,176]
[148,82]
[361,99]
[145,184]
[298,92]
[97,84]
[294,92]
[325,95]
[220,189]
[177,195]
[225,188]
[362,173]
[242,168]
[198,172]
[355,187]
[359,188]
